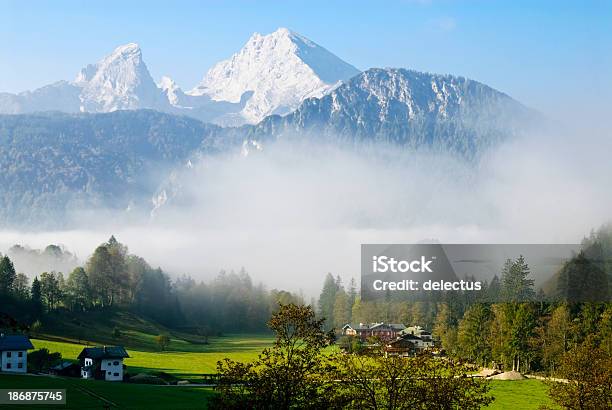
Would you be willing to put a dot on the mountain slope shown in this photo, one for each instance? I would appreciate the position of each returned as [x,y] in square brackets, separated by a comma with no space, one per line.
[52,165]
[409,108]
[276,71]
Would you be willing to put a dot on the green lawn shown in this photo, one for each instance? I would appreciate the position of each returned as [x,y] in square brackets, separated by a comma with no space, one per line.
[85,394]
[519,394]
[515,395]
[188,357]
[183,359]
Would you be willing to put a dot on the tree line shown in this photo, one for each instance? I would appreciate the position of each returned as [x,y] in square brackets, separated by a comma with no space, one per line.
[522,331]
[112,278]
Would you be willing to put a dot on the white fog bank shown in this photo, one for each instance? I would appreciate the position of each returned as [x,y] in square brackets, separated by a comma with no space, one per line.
[294,212]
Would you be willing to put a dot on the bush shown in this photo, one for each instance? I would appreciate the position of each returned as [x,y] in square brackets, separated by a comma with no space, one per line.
[41,359]
[163,341]
[588,370]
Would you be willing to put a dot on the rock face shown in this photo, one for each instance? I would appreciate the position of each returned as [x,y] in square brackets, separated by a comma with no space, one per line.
[278,70]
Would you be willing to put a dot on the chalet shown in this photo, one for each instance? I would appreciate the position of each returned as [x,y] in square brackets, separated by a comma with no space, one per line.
[402,346]
[385,331]
[104,363]
[14,353]
[420,336]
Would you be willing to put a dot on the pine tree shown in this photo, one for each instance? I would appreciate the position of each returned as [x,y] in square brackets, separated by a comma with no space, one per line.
[327,300]
[523,327]
[342,312]
[352,292]
[7,275]
[473,331]
[445,328]
[516,284]
[36,296]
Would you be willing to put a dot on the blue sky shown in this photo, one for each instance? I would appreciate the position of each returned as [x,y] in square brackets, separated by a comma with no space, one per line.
[539,52]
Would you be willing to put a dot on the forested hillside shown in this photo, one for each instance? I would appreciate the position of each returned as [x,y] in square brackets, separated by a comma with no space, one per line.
[115,280]
[53,165]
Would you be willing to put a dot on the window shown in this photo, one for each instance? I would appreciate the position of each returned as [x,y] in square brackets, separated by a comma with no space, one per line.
[8,354]
[109,373]
[116,374]
[116,363]
[20,365]
[8,365]
[20,354]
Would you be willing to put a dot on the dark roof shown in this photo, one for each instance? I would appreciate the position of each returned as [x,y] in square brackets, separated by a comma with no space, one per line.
[63,365]
[15,342]
[103,352]
[365,326]
[409,336]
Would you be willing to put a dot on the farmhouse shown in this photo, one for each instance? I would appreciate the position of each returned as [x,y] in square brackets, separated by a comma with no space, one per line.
[14,353]
[385,331]
[403,346]
[104,363]
[422,338]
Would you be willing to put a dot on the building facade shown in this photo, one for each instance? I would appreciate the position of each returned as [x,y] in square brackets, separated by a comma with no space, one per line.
[104,363]
[14,353]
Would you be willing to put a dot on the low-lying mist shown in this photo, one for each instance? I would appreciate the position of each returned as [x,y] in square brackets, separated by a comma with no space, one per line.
[297,210]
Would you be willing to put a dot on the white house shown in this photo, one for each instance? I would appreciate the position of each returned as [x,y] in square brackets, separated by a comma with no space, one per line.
[424,338]
[14,353]
[104,362]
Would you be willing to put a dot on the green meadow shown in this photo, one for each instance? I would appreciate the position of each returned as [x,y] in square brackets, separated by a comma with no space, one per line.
[95,394]
[189,360]
[527,394]
[182,359]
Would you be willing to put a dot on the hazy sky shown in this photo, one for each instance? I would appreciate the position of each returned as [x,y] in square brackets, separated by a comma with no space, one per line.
[539,52]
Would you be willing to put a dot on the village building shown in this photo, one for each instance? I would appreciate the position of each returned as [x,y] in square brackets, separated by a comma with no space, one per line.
[14,353]
[384,331]
[424,338]
[402,346]
[66,369]
[103,363]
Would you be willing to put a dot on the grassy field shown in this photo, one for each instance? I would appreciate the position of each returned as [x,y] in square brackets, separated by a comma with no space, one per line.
[93,394]
[89,394]
[187,357]
[183,360]
[519,394]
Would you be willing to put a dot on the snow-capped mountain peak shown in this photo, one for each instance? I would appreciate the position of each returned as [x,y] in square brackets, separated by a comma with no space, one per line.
[120,80]
[277,71]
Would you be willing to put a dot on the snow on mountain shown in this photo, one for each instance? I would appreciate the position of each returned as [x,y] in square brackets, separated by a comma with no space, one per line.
[276,72]
[272,74]
[410,108]
[120,81]
[59,96]
[172,91]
